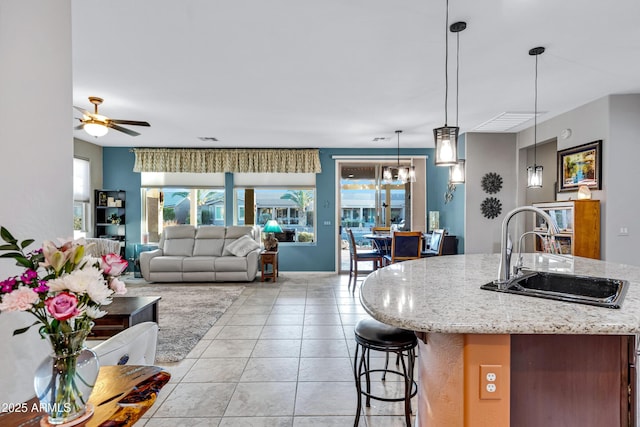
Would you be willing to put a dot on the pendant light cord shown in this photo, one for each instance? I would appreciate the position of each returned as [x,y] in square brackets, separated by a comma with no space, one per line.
[535,116]
[446,63]
[457,74]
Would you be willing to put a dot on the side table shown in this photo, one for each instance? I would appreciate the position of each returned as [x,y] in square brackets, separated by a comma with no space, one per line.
[266,258]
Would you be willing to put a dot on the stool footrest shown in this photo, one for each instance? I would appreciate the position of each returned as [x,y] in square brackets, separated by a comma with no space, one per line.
[414,387]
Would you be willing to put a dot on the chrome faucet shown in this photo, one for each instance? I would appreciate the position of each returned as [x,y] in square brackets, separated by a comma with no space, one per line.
[517,269]
[505,252]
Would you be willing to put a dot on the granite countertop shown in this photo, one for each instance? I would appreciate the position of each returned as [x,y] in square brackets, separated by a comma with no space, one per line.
[442,294]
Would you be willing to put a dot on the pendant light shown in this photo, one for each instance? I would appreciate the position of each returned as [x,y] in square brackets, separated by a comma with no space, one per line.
[403,174]
[534,173]
[446,137]
[457,171]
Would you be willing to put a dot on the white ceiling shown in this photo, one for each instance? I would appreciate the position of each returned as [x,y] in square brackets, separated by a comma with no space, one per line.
[338,73]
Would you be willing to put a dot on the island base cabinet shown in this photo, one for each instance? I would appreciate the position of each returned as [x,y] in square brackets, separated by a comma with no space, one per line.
[572,380]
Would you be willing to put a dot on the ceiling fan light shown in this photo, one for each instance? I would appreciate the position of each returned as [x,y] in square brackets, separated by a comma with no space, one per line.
[534,176]
[457,173]
[446,140]
[95,129]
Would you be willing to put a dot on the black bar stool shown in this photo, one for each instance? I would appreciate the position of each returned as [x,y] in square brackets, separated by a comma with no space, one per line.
[374,335]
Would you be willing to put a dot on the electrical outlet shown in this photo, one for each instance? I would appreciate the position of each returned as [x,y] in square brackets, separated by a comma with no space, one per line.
[624,231]
[490,382]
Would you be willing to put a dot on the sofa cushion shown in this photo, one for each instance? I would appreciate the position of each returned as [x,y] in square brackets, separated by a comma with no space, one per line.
[166,263]
[230,263]
[242,246]
[178,240]
[197,263]
[209,241]
[235,231]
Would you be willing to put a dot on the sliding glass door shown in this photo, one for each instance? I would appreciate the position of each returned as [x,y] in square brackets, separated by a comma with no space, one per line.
[366,202]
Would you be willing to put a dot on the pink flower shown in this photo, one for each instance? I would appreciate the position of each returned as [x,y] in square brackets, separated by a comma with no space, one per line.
[6,286]
[22,299]
[113,265]
[117,286]
[63,306]
[28,276]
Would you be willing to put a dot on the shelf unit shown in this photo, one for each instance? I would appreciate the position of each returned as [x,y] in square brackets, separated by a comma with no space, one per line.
[579,224]
[110,204]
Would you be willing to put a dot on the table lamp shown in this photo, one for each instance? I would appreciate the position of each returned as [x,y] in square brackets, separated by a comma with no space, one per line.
[270,242]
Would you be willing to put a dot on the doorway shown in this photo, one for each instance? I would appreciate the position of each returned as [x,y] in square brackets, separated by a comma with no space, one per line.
[365,201]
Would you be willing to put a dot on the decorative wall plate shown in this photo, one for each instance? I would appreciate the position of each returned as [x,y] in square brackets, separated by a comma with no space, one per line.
[491,207]
[491,183]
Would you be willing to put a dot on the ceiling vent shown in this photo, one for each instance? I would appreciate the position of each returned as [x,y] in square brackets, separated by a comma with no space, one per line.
[504,122]
[208,138]
[381,139]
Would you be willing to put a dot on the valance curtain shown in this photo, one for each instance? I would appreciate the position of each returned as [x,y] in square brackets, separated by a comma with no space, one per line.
[227,160]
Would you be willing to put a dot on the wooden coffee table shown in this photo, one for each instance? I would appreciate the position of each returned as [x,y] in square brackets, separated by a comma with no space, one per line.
[123,313]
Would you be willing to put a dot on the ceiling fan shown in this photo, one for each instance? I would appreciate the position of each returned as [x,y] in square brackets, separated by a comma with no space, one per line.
[98,125]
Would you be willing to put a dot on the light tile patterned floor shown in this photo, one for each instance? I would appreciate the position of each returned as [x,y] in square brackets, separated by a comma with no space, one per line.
[281,356]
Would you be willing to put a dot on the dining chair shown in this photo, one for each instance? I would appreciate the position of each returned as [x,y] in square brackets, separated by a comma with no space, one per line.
[382,245]
[436,243]
[405,245]
[356,256]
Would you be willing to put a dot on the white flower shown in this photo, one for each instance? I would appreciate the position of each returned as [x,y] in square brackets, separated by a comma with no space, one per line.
[95,312]
[99,292]
[78,281]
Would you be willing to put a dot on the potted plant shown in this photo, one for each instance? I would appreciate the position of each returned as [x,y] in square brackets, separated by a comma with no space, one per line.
[114,218]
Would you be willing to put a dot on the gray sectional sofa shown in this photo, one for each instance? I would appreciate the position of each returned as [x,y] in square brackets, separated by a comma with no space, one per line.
[203,254]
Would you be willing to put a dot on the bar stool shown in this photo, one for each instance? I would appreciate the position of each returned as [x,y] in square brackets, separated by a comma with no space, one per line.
[373,335]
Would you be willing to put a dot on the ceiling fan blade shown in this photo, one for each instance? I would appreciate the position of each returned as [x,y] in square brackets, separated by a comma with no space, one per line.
[121,129]
[129,122]
[83,111]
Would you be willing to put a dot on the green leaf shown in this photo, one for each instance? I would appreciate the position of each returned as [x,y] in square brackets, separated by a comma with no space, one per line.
[10,247]
[24,262]
[6,236]
[12,255]
[23,330]
[26,243]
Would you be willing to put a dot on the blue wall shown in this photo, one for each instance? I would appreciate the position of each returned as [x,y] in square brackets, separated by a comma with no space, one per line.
[118,174]
[452,213]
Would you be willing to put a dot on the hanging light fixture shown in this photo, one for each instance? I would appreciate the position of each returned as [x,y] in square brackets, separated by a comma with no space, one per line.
[534,173]
[457,171]
[446,137]
[400,173]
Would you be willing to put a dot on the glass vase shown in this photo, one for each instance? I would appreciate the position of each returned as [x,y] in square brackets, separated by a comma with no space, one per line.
[63,382]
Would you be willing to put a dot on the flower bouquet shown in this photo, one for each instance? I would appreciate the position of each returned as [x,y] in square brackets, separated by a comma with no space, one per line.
[65,290]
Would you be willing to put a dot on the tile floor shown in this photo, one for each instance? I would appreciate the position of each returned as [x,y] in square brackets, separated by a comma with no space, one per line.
[280,356]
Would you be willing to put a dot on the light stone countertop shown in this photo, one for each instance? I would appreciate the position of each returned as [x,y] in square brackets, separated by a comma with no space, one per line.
[442,294]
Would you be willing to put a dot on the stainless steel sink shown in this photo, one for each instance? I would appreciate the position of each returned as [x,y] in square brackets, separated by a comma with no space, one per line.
[597,291]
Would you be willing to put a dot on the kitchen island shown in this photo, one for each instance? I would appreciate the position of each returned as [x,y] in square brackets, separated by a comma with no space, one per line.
[556,363]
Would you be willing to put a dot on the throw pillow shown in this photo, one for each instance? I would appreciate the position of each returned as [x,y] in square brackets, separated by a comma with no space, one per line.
[242,246]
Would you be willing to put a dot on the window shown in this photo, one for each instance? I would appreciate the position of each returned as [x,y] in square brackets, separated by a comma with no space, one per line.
[166,206]
[81,197]
[293,208]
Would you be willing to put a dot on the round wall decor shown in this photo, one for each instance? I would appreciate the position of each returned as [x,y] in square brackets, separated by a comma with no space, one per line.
[491,182]
[491,207]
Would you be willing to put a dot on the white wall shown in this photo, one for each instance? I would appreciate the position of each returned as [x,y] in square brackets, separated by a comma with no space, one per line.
[36,133]
[620,168]
[488,152]
[92,153]
[588,123]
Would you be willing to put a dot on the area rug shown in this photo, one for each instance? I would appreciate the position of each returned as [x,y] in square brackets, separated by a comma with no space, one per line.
[185,313]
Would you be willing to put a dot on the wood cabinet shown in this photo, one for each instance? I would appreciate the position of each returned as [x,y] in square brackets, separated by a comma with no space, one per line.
[579,224]
[110,216]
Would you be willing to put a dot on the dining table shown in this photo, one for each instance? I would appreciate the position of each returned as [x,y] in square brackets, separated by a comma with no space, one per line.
[382,242]
[121,396]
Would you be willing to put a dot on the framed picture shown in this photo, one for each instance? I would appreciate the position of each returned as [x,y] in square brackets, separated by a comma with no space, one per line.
[102,199]
[581,165]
